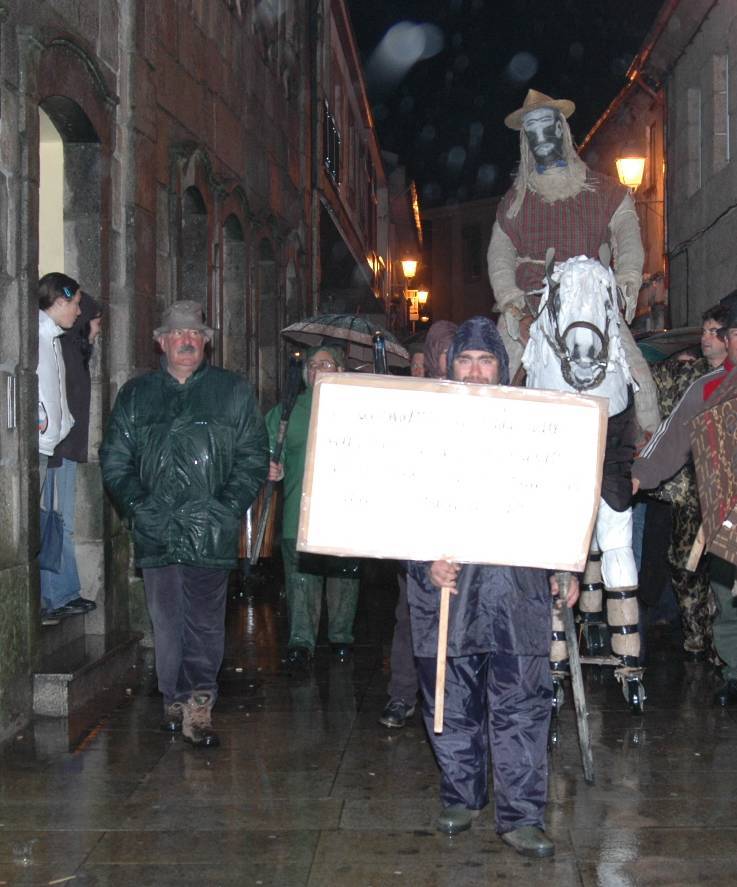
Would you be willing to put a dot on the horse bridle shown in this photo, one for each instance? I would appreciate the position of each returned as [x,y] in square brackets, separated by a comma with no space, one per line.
[561,349]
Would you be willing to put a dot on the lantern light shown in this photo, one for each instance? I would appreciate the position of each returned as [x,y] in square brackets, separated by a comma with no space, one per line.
[630,171]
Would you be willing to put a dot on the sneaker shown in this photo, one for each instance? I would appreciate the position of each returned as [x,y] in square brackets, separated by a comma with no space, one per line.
[83,603]
[299,660]
[77,607]
[396,713]
[196,723]
[727,694]
[173,717]
[342,651]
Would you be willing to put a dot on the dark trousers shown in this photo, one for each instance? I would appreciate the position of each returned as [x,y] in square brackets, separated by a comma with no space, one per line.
[187,609]
[498,701]
[403,677]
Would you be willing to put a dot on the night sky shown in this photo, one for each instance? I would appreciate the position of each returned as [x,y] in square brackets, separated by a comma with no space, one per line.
[474,61]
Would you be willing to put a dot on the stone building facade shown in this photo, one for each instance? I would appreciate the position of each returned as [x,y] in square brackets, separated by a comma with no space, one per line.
[454,254]
[219,150]
[682,95]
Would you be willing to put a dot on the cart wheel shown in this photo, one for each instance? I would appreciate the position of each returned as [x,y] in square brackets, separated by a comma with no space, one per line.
[559,696]
[634,693]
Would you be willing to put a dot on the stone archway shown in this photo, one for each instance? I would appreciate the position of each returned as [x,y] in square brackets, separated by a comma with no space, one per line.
[194,264]
[269,323]
[70,193]
[235,341]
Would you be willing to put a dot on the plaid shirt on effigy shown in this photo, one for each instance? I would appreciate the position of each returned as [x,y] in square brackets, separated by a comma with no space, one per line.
[576,226]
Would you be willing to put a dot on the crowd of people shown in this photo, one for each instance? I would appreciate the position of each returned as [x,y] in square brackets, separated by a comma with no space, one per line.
[186,451]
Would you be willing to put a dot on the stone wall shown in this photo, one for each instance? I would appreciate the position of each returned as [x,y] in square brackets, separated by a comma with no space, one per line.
[702,181]
[152,98]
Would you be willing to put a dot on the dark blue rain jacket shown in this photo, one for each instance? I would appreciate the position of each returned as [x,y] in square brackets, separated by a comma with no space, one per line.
[497,609]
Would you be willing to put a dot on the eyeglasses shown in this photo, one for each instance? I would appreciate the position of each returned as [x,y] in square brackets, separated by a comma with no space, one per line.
[321,365]
[713,331]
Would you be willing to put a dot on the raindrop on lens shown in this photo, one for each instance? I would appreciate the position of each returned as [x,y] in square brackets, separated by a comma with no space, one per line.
[522,67]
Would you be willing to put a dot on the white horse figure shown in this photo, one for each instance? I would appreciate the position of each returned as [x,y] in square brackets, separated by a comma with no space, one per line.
[575,345]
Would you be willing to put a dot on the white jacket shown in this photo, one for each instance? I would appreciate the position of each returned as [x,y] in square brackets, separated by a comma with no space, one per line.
[54,419]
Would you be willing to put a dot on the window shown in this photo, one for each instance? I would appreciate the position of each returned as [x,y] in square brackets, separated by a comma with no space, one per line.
[693,141]
[720,96]
[331,146]
[472,259]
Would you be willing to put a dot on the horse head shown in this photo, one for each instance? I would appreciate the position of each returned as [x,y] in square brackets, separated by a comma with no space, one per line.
[579,304]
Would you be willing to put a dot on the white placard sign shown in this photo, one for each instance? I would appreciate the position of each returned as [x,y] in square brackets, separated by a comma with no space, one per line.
[419,469]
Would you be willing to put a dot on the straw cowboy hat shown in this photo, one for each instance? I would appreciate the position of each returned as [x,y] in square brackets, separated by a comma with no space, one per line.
[533,101]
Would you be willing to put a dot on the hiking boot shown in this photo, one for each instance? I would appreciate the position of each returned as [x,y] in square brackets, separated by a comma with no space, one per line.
[395,713]
[173,717]
[456,819]
[529,841]
[196,723]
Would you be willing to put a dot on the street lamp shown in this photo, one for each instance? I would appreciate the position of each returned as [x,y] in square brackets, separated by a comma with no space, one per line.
[422,297]
[409,268]
[631,170]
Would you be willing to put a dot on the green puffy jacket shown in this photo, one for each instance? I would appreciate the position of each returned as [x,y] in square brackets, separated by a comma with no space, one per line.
[183,462]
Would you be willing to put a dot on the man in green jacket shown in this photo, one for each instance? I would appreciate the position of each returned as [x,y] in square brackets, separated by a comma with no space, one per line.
[304,589]
[184,455]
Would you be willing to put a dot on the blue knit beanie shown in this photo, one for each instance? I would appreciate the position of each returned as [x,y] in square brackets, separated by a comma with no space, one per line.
[479,334]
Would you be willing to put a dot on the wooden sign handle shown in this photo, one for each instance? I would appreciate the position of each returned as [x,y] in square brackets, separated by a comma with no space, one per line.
[697,549]
[442,654]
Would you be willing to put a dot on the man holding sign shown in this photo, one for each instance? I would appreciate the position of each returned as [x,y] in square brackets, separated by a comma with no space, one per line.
[498,684]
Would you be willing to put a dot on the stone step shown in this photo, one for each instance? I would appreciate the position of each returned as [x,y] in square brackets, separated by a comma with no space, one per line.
[86,667]
[54,637]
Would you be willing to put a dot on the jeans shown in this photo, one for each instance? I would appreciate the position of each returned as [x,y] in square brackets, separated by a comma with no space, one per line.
[187,609]
[57,589]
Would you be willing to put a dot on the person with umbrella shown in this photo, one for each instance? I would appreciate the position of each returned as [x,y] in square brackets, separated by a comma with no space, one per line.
[304,588]
[668,450]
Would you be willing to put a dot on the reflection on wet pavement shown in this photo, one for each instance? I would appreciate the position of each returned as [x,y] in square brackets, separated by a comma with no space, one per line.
[307,788]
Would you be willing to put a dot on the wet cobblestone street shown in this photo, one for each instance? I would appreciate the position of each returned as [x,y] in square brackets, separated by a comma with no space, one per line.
[308,789]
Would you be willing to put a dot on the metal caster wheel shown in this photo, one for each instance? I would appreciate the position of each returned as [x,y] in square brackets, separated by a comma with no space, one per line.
[634,693]
[596,638]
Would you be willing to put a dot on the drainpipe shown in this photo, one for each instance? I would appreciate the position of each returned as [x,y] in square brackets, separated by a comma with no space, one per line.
[316,31]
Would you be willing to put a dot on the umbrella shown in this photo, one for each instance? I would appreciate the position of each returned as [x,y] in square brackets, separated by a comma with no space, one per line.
[664,344]
[354,332]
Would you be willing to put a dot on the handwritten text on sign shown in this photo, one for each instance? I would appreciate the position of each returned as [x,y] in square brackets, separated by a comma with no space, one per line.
[418,469]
